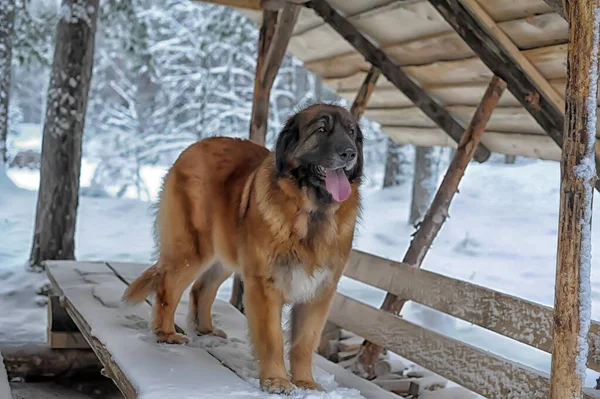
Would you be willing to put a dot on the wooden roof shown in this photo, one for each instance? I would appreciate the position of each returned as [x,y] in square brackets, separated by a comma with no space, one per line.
[418,38]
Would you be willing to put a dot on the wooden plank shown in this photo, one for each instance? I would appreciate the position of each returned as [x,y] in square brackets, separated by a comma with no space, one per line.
[514,53]
[437,213]
[513,317]
[527,33]
[364,94]
[260,98]
[230,320]
[504,119]
[572,301]
[501,61]
[395,74]
[478,370]
[558,6]
[91,295]
[527,145]
[550,61]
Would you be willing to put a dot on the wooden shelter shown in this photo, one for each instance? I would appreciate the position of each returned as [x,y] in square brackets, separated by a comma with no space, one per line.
[483,76]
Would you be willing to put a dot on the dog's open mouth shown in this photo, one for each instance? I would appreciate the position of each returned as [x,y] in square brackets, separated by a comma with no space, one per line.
[336,183]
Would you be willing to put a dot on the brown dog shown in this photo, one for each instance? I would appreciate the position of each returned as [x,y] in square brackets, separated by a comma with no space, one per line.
[285,220]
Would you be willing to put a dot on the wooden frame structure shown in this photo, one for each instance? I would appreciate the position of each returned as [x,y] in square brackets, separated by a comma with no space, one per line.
[565,331]
[541,98]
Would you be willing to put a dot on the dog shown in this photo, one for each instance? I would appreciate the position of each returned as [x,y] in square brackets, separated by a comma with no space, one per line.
[284,219]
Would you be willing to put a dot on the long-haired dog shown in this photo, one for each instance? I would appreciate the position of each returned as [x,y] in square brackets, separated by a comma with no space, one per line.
[285,220]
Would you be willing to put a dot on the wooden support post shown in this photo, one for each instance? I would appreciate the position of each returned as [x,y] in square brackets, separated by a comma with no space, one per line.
[364,93]
[572,302]
[438,211]
[273,40]
[272,43]
[394,74]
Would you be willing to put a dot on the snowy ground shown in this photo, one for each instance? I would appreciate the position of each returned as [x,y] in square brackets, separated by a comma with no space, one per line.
[502,234]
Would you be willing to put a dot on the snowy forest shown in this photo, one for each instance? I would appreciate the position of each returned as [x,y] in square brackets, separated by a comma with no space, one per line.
[167,73]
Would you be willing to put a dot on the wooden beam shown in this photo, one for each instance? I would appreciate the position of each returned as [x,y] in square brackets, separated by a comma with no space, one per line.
[271,5]
[364,93]
[438,211]
[495,56]
[572,302]
[556,100]
[476,369]
[560,7]
[260,99]
[513,317]
[394,74]
[281,38]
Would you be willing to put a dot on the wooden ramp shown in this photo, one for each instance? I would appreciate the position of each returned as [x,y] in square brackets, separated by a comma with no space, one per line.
[208,367]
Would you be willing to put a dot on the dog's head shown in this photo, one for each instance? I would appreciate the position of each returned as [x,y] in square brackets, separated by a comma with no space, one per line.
[322,148]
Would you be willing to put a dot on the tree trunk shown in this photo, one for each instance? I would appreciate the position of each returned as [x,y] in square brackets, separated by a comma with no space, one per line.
[424,183]
[395,165]
[58,195]
[7,19]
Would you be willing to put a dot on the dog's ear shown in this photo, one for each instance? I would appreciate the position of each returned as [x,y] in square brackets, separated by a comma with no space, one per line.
[358,141]
[286,142]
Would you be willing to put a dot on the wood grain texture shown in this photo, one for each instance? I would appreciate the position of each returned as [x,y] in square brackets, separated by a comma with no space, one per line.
[394,73]
[572,301]
[499,60]
[437,213]
[475,369]
[261,95]
[364,93]
[510,316]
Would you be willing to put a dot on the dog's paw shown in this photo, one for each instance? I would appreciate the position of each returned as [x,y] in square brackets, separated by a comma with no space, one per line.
[172,338]
[308,385]
[215,331]
[277,386]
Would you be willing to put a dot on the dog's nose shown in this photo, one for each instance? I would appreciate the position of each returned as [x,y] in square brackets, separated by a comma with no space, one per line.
[348,154]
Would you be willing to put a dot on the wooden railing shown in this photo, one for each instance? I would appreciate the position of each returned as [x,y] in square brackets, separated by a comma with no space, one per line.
[476,369]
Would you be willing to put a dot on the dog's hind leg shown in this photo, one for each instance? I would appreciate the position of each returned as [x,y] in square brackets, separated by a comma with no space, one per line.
[202,296]
[175,277]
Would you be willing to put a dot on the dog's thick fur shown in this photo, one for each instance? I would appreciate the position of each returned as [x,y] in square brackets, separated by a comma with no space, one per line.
[232,205]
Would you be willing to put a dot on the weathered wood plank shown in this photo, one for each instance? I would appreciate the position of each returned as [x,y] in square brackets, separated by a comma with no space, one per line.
[572,301]
[550,61]
[364,93]
[437,213]
[513,317]
[526,145]
[262,91]
[500,61]
[230,320]
[475,369]
[92,295]
[394,73]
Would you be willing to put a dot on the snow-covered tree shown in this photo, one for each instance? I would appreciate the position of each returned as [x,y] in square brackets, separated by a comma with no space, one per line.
[58,195]
[7,18]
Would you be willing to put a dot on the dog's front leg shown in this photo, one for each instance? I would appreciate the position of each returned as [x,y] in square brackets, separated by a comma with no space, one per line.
[308,320]
[264,303]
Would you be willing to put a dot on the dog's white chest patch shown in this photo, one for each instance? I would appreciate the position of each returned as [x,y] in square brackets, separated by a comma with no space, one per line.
[298,286]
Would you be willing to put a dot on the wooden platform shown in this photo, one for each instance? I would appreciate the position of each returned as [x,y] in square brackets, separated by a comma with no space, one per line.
[141,368]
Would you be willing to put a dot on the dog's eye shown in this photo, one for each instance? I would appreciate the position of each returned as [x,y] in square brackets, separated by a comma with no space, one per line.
[351,131]
[321,130]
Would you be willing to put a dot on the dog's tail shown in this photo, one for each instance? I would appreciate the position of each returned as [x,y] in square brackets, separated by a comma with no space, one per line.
[143,286]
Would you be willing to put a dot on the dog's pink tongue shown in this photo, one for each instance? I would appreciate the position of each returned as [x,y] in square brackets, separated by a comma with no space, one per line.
[337,184]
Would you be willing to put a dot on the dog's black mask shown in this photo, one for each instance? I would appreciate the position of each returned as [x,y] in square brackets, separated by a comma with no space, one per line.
[321,147]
